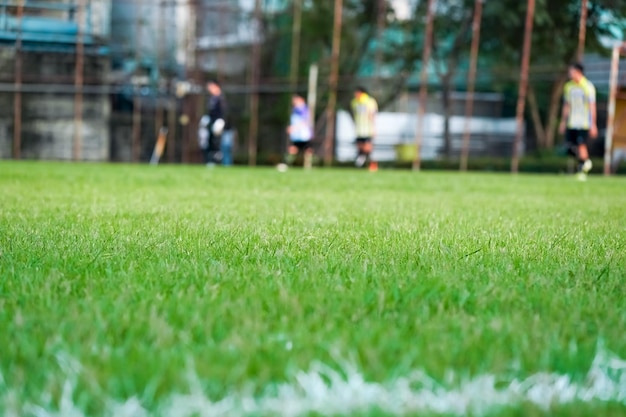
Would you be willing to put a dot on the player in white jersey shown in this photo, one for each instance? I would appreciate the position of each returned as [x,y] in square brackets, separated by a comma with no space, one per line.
[300,132]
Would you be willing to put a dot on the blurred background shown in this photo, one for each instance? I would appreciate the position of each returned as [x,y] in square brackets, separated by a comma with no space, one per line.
[98,80]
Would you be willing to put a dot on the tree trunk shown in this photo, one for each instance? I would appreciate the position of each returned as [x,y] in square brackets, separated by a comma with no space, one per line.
[546,132]
[536,119]
[553,110]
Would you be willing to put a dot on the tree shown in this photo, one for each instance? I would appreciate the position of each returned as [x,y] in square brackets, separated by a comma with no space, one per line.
[555,40]
[358,46]
[451,40]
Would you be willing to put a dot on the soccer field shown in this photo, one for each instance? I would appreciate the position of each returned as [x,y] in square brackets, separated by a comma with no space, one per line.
[181,291]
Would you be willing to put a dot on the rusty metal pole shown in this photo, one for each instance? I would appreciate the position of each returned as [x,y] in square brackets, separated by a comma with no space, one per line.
[136,133]
[333,79]
[471,82]
[423,94]
[608,140]
[253,128]
[582,31]
[191,57]
[158,55]
[523,85]
[294,66]
[78,82]
[221,25]
[171,107]
[380,29]
[17,100]
[295,45]
[171,131]
[197,100]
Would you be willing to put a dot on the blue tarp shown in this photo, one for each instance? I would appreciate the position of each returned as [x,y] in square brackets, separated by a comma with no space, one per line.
[41,30]
[39,25]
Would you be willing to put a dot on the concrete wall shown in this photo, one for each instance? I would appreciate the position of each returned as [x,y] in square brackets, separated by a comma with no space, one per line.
[48,108]
[48,127]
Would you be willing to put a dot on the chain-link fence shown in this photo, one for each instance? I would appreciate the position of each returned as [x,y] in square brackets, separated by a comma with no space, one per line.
[100,79]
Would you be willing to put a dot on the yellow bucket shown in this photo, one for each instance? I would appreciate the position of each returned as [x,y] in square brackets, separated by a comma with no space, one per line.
[406,152]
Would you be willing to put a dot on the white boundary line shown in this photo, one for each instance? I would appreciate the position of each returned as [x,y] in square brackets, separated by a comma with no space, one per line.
[328,392]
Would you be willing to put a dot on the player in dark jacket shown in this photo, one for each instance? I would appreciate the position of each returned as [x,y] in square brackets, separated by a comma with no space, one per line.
[217,112]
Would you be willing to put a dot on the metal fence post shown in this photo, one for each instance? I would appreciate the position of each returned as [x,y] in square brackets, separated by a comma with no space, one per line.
[523,85]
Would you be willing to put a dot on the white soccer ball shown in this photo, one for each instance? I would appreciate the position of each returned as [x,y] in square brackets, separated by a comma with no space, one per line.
[282,167]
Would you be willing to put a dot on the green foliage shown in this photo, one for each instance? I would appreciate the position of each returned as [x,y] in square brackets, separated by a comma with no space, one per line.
[555,43]
[359,45]
[555,33]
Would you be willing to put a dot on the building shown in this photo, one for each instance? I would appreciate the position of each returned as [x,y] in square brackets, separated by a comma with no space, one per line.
[226,30]
[130,48]
[151,35]
[38,61]
[151,49]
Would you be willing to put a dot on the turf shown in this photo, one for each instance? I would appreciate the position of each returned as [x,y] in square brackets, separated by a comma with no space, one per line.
[125,279]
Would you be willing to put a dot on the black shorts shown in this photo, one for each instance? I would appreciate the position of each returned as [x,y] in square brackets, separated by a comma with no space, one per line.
[214,142]
[302,145]
[577,136]
[363,140]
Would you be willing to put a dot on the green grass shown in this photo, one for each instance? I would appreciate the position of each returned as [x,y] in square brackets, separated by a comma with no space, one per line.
[140,275]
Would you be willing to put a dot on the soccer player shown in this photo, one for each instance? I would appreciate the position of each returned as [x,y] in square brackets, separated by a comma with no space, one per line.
[364,109]
[300,132]
[578,117]
[216,110]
